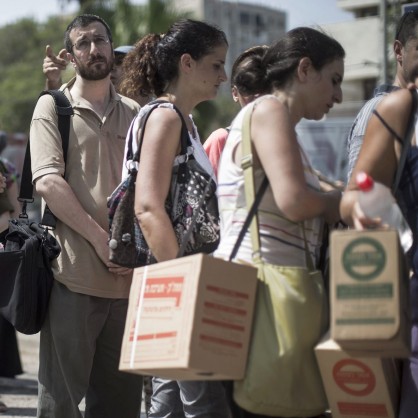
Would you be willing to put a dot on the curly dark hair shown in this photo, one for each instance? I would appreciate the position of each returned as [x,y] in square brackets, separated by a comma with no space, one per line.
[154,61]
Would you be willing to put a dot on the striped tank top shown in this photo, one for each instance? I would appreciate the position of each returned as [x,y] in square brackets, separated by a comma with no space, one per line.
[281,239]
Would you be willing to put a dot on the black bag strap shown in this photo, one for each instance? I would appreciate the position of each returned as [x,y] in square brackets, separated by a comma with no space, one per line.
[410,130]
[184,136]
[250,216]
[406,141]
[64,111]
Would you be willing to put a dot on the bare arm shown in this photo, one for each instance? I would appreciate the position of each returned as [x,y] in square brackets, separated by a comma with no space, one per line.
[160,146]
[276,146]
[379,153]
[64,204]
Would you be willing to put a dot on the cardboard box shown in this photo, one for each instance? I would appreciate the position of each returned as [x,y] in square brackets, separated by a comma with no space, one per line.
[358,387]
[190,319]
[369,293]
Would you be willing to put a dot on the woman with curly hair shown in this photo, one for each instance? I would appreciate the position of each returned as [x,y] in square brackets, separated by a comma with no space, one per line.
[181,68]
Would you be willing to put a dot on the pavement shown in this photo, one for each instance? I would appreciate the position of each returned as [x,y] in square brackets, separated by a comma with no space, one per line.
[20,394]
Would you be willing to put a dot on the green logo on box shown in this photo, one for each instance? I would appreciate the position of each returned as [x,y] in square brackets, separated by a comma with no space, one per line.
[364,258]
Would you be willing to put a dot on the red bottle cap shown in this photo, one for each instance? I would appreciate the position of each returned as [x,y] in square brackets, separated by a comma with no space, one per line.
[364,181]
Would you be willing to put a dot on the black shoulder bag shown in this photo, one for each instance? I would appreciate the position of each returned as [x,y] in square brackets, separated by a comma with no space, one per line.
[26,276]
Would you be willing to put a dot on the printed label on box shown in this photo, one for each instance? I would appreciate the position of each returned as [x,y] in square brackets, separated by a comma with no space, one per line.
[354,377]
[365,293]
[224,319]
[162,301]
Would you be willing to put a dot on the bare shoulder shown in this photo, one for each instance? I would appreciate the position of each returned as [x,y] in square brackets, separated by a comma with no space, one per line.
[265,106]
[396,103]
[166,117]
[267,102]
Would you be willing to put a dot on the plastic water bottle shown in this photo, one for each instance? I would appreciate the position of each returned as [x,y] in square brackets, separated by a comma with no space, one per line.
[376,201]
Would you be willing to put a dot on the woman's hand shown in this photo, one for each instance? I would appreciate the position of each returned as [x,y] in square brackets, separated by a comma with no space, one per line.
[361,221]
[352,214]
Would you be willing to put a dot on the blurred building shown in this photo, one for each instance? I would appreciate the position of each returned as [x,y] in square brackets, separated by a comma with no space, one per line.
[367,40]
[245,24]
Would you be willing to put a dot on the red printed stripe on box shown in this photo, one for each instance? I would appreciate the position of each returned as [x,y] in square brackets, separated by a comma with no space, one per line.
[362,409]
[223,324]
[227,292]
[220,341]
[224,308]
[157,336]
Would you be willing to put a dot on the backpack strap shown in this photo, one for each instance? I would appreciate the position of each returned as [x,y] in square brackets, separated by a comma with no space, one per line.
[64,111]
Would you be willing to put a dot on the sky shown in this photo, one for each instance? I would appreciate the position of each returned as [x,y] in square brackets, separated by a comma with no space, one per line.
[299,12]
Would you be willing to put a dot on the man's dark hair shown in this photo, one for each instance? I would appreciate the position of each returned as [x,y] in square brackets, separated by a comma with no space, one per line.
[406,28]
[82,21]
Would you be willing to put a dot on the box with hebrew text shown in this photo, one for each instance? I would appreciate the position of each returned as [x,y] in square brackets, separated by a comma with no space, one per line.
[190,319]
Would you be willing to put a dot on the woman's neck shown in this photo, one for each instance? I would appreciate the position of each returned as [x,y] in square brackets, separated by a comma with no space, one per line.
[293,106]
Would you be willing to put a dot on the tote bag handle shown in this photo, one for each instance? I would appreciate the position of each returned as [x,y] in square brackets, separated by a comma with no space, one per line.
[253,200]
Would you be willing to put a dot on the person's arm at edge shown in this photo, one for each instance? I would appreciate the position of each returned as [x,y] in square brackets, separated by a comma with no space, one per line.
[214,146]
[379,145]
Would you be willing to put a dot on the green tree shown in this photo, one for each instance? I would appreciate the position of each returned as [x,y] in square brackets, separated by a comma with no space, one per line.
[21,57]
[129,22]
[21,78]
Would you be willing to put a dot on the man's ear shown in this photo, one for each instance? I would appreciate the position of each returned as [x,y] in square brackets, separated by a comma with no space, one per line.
[70,58]
[397,50]
[186,62]
[303,69]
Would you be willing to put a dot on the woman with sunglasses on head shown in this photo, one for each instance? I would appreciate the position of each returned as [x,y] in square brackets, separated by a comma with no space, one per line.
[302,73]
[181,68]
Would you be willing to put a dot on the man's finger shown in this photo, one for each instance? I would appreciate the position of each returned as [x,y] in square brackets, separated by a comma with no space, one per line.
[49,52]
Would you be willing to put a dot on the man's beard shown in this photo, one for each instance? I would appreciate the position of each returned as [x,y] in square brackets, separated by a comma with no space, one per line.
[93,72]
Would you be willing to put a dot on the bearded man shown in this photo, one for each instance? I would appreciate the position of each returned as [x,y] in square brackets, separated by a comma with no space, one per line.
[81,338]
